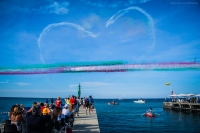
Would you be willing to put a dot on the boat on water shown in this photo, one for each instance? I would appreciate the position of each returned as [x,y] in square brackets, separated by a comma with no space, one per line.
[149,114]
[113,103]
[121,99]
[140,101]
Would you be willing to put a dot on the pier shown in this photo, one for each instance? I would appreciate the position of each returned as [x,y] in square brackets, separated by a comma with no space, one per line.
[182,106]
[86,123]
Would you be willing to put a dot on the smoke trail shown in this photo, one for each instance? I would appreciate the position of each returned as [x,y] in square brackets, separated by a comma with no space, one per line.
[101,67]
[50,26]
[124,11]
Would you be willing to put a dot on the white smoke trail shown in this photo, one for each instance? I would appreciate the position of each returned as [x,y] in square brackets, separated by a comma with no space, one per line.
[50,26]
[124,11]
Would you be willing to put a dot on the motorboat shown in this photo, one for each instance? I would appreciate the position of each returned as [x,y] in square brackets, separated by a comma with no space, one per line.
[140,101]
[113,103]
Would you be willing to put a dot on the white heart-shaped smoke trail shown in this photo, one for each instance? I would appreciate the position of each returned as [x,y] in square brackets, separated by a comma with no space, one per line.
[124,11]
[50,26]
[109,22]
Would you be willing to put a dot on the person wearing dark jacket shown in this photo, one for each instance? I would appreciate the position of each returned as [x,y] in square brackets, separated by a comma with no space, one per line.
[87,105]
[35,121]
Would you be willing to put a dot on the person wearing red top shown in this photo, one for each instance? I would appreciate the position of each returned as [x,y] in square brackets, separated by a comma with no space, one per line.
[58,102]
[72,101]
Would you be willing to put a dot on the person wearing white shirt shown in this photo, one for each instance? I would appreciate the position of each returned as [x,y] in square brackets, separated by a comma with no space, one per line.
[65,111]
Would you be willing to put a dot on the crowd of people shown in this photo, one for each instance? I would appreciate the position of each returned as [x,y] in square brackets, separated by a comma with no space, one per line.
[54,114]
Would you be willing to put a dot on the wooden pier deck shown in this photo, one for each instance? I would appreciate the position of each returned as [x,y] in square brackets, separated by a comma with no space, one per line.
[86,123]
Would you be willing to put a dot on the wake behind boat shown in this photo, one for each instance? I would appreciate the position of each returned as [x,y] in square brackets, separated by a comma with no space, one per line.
[140,101]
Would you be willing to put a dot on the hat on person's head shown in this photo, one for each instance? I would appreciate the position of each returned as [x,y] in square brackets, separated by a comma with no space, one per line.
[36,110]
[66,106]
[58,97]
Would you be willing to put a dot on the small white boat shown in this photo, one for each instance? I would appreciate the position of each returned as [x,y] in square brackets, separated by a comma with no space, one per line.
[140,101]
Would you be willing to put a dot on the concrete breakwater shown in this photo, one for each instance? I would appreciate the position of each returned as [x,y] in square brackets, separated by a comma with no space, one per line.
[182,106]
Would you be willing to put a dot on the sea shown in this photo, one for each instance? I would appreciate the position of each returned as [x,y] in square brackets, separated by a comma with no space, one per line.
[127,117]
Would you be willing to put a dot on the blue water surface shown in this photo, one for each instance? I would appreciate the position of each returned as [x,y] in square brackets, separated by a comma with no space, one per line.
[127,116]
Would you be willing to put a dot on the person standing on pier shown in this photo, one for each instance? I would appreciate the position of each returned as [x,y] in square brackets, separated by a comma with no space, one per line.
[35,122]
[47,101]
[52,100]
[77,105]
[16,117]
[91,102]
[58,103]
[72,101]
[68,101]
[81,103]
[87,105]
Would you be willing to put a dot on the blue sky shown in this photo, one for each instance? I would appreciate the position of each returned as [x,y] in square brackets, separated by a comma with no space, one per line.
[135,31]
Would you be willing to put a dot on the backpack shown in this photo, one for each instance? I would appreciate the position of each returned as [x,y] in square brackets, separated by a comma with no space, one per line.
[68,130]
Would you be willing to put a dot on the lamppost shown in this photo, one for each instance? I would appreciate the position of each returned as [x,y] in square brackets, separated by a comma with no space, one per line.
[79,91]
